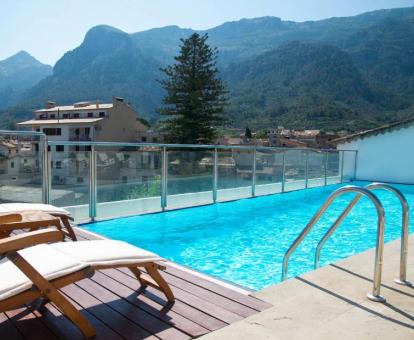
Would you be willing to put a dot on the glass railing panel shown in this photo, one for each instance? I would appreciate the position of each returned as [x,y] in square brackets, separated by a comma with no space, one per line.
[20,169]
[333,168]
[269,171]
[295,169]
[190,177]
[316,168]
[235,169]
[69,171]
[128,180]
[349,166]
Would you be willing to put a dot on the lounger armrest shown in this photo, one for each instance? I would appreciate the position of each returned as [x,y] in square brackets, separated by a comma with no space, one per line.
[10,218]
[17,242]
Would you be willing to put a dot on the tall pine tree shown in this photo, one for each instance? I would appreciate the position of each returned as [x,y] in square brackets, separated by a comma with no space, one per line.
[195,95]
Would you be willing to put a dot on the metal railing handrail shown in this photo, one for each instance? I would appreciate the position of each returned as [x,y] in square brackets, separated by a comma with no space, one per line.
[402,279]
[194,146]
[376,289]
[22,133]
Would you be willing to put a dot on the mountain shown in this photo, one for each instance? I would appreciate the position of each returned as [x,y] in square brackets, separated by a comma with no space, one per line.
[302,86]
[19,73]
[352,72]
[106,64]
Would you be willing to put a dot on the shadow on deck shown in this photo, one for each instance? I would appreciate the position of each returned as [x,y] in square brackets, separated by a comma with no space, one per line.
[118,308]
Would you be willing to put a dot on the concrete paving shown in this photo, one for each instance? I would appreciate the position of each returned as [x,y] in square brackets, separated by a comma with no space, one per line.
[331,303]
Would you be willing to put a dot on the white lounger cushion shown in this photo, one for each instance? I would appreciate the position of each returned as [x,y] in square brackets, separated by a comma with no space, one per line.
[48,261]
[105,252]
[18,207]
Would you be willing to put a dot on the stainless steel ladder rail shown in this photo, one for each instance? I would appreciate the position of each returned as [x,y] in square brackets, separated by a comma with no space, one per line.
[376,288]
[402,279]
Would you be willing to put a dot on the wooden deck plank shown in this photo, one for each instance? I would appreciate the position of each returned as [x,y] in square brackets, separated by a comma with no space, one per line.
[192,300]
[132,312]
[118,308]
[28,324]
[107,315]
[246,300]
[8,330]
[58,323]
[103,332]
[179,307]
[164,313]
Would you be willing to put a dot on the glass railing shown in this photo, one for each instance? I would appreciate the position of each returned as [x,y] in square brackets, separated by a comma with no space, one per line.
[105,179]
[21,167]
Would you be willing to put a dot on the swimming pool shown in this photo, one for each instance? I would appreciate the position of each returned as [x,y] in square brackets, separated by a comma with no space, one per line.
[244,241]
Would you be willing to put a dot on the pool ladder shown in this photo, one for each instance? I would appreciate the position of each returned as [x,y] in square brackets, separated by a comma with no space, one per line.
[360,191]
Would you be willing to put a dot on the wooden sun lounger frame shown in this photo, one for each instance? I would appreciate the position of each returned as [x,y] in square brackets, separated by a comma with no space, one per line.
[64,224]
[42,288]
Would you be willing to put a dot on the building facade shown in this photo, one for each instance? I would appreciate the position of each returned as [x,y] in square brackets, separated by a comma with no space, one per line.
[383,154]
[84,121]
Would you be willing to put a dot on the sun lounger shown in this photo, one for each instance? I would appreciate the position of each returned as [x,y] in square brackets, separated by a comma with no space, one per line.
[61,213]
[33,269]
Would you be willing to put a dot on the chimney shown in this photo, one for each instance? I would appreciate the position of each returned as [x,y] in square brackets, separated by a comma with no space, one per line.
[50,104]
[97,104]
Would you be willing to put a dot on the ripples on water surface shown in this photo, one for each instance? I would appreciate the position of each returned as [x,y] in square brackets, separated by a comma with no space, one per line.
[244,241]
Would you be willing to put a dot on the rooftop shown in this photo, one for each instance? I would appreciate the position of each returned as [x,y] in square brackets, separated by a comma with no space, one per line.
[76,107]
[36,122]
[376,131]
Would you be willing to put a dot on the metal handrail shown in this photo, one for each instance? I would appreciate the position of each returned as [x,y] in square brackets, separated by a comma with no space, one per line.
[402,279]
[375,295]
[186,146]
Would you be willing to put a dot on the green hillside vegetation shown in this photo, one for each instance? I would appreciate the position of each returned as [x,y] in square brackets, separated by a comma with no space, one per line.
[341,73]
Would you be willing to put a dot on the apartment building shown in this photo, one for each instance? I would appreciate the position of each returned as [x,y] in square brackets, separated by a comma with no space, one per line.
[85,121]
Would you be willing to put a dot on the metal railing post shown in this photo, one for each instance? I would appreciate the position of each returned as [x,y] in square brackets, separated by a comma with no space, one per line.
[46,171]
[254,174]
[342,165]
[164,179]
[283,170]
[355,165]
[92,183]
[215,175]
[307,169]
[326,168]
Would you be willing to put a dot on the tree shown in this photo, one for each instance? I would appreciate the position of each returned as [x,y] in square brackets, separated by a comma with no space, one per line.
[248,132]
[195,95]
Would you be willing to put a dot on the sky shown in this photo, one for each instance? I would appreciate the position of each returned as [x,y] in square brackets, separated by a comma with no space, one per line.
[48,28]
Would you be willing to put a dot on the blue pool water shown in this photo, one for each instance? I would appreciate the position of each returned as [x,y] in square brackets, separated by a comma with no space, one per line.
[244,241]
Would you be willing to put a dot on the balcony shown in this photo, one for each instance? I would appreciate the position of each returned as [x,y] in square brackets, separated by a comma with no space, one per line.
[79,138]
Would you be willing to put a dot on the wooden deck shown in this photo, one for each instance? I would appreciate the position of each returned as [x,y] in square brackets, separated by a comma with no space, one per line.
[116,306]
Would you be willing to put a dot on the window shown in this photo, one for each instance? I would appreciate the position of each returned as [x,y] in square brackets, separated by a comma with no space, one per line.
[60,148]
[65,115]
[79,180]
[124,179]
[101,114]
[58,165]
[90,114]
[52,116]
[143,139]
[76,115]
[12,165]
[52,131]
[155,140]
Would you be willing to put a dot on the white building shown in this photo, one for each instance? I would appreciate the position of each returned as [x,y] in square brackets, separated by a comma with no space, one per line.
[84,121]
[383,154]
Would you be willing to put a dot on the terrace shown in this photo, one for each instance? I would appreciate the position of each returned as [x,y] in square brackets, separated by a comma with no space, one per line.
[127,179]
